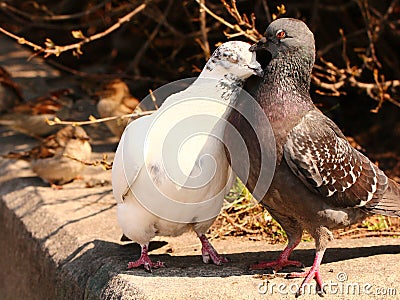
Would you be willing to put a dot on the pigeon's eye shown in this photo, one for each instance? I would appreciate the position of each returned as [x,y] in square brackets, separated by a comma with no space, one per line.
[280,34]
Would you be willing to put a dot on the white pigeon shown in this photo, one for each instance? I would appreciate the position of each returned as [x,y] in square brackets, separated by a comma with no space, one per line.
[170,171]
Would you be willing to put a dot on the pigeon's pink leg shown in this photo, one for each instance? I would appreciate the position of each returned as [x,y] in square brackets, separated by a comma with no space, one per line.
[282,261]
[145,261]
[313,273]
[208,252]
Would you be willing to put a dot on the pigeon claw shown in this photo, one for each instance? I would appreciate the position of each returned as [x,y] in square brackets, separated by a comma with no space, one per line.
[146,263]
[276,265]
[213,256]
[308,276]
[209,253]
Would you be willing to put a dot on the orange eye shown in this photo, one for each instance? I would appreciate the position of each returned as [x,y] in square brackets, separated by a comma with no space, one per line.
[280,34]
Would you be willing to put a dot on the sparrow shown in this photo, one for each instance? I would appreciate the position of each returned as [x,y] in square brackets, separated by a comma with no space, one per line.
[58,159]
[116,100]
[30,117]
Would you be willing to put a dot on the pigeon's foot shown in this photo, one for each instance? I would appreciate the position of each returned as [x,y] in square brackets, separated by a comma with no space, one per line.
[313,273]
[277,265]
[282,261]
[145,261]
[209,253]
[308,276]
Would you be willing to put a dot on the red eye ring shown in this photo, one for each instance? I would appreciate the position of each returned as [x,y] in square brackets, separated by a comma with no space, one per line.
[280,34]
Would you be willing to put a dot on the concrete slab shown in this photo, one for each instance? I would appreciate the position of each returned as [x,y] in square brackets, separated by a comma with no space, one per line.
[64,244]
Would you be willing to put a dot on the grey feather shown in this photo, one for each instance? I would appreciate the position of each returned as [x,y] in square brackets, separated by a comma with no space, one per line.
[321,182]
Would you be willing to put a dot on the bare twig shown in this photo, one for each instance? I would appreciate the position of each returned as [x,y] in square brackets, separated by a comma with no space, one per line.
[241,227]
[203,28]
[155,14]
[333,87]
[103,162]
[51,18]
[135,63]
[281,10]
[93,120]
[339,42]
[344,50]
[338,78]
[103,76]
[52,49]
[267,12]
[253,35]
[153,98]
[384,18]
[363,4]
[241,20]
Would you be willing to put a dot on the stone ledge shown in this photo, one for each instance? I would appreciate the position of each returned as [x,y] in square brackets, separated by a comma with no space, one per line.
[63,244]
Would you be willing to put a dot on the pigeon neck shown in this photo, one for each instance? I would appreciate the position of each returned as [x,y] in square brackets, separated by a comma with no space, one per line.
[284,93]
[227,85]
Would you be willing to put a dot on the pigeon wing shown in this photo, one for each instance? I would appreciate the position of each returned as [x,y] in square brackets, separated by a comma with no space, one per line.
[319,154]
[129,156]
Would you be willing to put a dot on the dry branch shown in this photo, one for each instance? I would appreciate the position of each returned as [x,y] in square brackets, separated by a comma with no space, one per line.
[93,120]
[103,162]
[337,79]
[52,18]
[205,46]
[135,63]
[250,32]
[53,49]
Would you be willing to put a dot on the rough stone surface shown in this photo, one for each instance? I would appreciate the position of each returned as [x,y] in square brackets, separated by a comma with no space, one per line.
[64,244]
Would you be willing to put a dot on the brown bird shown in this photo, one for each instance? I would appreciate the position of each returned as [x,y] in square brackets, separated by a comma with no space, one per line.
[30,117]
[53,159]
[116,100]
[320,182]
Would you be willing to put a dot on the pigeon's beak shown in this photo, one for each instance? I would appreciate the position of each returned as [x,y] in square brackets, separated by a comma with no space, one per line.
[261,44]
[257,69]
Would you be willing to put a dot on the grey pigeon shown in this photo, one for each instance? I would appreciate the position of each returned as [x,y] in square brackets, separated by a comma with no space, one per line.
[321,182]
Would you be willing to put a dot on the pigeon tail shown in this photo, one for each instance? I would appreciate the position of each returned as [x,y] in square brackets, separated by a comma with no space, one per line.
[389,205]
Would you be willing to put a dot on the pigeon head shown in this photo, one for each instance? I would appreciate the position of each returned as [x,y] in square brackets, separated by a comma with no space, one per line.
[288,37]
[234,60]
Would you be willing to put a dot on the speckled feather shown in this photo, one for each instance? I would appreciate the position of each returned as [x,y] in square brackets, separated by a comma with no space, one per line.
[319,154]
